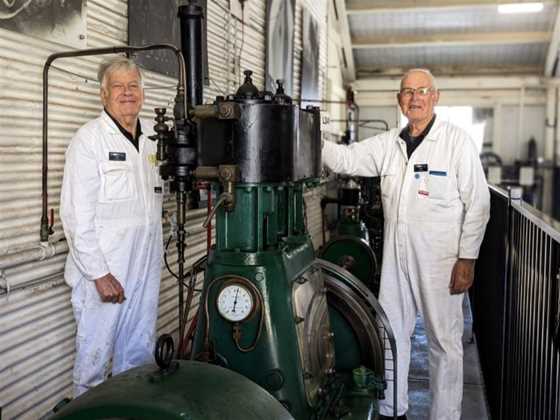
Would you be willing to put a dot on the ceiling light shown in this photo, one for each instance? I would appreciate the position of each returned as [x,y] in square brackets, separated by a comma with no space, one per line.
[532,7]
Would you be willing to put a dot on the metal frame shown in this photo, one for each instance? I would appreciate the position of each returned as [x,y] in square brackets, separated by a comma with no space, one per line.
[524,381]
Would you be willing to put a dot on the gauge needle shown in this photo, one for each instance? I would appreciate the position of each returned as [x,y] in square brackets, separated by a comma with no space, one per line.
[235,299]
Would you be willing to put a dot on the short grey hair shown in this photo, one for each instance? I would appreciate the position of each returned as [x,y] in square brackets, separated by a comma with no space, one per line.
[114,64]
[420,70]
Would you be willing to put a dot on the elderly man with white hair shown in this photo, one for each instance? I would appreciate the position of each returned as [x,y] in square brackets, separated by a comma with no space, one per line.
[111,204]
[436,206]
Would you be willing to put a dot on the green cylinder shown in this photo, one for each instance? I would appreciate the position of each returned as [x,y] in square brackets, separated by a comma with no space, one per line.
[355,255]
[194,391]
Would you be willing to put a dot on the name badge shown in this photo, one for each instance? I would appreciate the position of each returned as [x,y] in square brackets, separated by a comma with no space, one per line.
[421,167]
[158,190]
[117,156]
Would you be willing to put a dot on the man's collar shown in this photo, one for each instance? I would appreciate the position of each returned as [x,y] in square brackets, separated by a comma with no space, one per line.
[121,129]
[425,134]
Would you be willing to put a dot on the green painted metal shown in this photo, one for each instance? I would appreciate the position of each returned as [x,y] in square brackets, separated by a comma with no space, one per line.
[356,405]
[351,227]
[354,254]
[264,241]
[195,391]
[265,217]
[347,348]
[275,363]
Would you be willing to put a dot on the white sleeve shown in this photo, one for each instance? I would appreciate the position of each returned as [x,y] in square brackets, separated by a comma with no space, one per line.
[362,158]
[474,193]
[80,188]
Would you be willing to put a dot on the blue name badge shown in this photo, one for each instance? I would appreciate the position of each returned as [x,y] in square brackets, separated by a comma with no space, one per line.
[438,173]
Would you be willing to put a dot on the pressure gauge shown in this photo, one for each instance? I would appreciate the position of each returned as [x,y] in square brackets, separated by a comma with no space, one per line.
[235,302]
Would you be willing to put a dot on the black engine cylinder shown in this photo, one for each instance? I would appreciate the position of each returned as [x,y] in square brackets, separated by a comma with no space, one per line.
[270,140]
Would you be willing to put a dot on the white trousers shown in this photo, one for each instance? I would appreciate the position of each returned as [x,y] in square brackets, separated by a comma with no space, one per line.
[123,332]
[415,278]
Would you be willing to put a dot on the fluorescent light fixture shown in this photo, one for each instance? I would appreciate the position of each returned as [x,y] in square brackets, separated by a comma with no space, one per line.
[532,7]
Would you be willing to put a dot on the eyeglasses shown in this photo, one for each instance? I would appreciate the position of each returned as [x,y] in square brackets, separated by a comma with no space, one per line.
[421,91]
[121,87]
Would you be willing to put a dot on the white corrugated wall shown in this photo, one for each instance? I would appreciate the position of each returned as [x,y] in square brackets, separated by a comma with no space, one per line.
[36,322]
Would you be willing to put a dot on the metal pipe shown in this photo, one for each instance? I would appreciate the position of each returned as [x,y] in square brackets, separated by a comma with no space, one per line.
[181,202]
[209,209]
[6,288]
[44,230]
[361,122]
[191,16]
[40,252]
[183,150]
[319,101]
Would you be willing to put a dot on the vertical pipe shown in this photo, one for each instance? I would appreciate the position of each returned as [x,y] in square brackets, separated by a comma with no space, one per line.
[550,129]
[520,121]
[550,126]
[191,16]
[181,204]
[209,209]
[556,140]
[497,130]
[44,230]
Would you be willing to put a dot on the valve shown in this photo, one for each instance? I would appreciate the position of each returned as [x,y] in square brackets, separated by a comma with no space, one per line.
[163,134]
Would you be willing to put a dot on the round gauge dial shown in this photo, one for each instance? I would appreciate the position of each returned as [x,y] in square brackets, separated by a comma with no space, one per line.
[235,302]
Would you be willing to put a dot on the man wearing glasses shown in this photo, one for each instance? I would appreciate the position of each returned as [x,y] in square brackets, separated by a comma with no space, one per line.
[436,205]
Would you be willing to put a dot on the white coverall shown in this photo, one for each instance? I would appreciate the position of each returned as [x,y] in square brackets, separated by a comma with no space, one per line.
[111,205]
[432,217]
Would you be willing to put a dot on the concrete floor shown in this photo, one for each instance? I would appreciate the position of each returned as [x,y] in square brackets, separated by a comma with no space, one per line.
[474,402]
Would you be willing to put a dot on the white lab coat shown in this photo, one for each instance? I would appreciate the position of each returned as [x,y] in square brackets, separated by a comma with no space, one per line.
[111,205]
[432,217]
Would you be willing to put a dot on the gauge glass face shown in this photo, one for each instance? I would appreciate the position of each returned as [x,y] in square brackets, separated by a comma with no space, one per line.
[235,302]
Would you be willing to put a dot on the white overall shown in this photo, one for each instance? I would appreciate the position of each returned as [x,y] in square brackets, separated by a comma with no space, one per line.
[436,206]
[111,205]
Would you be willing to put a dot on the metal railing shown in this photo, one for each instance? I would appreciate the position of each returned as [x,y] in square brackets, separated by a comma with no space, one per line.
[516,311]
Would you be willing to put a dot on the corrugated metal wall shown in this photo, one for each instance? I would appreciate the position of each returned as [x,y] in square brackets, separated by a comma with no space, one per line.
[36,322]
